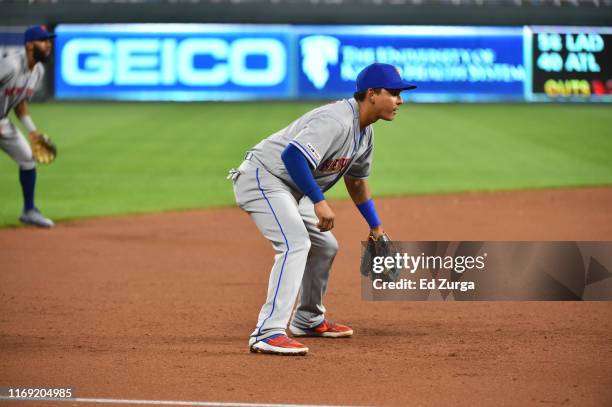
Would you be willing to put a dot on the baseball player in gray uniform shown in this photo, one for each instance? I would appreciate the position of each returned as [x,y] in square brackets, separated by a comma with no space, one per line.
[20,75]
[281,184]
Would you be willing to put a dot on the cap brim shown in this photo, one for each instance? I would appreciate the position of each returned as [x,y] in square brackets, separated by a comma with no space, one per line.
[42,37]
[401,85]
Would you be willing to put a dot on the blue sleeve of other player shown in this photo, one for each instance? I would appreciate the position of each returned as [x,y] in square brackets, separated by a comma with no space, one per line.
[298,169]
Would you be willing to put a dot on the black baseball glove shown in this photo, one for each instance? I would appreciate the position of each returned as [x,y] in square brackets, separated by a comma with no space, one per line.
[381,247]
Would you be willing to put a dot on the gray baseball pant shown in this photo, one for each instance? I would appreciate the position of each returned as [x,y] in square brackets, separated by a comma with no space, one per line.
[15,145]
[304,254]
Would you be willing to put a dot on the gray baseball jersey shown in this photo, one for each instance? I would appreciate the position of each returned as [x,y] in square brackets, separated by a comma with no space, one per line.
[17,81]
[330,139]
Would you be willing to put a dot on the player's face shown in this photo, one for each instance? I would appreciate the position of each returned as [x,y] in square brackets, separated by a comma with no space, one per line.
[388,102]
[42,50]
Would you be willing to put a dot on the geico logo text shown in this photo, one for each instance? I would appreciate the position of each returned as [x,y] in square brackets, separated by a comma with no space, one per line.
[169,61]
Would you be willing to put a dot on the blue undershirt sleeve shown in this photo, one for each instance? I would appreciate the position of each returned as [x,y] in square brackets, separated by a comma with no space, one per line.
[299,170]
[368,210]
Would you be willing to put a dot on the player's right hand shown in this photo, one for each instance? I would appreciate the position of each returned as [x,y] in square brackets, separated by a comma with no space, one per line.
[325,215]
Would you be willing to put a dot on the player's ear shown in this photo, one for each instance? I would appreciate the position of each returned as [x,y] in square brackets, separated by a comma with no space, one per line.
[371,95]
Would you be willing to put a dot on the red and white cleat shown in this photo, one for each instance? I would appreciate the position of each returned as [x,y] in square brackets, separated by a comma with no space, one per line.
[326,329]
[279,344]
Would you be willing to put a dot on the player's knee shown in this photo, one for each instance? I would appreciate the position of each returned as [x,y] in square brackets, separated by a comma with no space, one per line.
[299,244]
[327,247]
[331,246]
[26,164]
[23,157]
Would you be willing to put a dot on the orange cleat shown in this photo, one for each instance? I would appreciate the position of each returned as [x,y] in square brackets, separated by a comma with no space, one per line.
[326,329]
[279,344]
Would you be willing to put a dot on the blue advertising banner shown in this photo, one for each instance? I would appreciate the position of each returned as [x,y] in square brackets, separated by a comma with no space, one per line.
[11,39]
[446,63]
[172,62]
[185,62]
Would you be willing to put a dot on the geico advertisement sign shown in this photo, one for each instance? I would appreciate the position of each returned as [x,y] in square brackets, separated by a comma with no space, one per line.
[171,61]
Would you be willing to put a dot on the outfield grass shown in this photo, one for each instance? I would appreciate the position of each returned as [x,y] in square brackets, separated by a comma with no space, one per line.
[120,158]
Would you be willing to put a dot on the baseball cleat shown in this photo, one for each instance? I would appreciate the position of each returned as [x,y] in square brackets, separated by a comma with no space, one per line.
[34,217]
[326,329]
[279,344]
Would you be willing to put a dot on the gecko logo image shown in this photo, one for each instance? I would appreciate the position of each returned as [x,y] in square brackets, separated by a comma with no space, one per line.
[318,52]
[165,62]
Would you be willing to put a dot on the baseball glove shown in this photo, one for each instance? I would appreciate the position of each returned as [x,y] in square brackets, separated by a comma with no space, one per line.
[381,247]
[44,150]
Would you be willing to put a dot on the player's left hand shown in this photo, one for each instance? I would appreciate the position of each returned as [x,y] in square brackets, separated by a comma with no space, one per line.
[34,136]
[379,244]
[44,149]
[377,232]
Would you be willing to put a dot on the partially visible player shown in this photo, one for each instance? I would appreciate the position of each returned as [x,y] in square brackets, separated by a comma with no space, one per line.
[281,184]
[20,76]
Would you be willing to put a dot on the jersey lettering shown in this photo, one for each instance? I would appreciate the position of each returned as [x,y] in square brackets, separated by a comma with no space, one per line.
[19,91]
[334,164]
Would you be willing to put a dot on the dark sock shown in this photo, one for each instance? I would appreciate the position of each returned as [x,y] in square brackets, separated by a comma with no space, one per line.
[27,178]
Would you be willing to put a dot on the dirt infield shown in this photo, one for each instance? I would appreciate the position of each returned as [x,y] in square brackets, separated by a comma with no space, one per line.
[159,307]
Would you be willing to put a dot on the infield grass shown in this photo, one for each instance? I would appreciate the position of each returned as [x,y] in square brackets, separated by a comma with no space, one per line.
[118,158]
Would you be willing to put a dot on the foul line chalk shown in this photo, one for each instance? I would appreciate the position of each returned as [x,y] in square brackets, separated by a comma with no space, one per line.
[165,402]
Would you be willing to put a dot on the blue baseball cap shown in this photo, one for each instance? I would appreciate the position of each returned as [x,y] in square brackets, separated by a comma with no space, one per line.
[379,75]
[37,33]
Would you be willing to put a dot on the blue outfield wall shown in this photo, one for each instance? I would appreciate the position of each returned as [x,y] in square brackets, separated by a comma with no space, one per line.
[187,62]
[446,63]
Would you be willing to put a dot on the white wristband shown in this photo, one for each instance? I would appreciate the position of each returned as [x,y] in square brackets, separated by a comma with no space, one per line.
[28,123]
